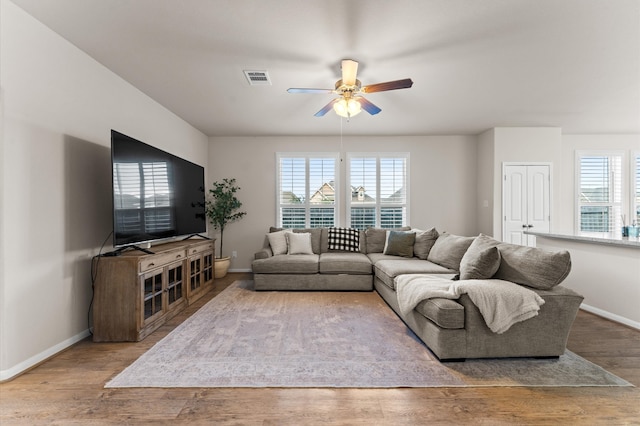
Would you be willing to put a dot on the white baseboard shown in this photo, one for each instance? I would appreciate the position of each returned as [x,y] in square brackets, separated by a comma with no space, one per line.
[610,316]
[240,270]
[42,356]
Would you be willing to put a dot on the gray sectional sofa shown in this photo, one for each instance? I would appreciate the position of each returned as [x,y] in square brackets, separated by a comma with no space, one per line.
[452,327]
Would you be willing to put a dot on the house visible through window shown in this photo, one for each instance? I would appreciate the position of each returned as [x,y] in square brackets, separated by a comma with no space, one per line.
[307,190]
[378,184]
[600,193]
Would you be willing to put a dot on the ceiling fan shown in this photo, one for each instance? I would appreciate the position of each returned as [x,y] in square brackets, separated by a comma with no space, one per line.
[350,102]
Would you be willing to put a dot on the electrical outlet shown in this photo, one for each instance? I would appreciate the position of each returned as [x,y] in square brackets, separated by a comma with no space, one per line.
[234,254]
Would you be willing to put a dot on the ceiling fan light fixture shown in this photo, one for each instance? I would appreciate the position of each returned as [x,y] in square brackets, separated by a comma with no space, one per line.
[347,107]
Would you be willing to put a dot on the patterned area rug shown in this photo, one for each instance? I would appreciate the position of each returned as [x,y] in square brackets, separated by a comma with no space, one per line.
[244,338]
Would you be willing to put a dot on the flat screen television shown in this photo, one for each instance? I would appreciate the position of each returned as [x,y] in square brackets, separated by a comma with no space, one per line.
[156,195]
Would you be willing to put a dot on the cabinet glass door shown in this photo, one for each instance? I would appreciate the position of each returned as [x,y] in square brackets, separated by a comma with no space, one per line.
[152,294]
[195,279]
[207,269]
[175,282]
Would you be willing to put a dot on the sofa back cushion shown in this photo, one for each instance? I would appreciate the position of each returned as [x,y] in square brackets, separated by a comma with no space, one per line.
[376,237]
[529,266]
[449,249]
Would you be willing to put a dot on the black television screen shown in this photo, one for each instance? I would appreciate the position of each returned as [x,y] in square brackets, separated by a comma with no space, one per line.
[156,195]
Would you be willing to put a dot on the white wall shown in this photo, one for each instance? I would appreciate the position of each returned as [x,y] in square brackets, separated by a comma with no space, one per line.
[607,276]
[442,180]
[58,108]
[572,143]
[485,182]
[513,144]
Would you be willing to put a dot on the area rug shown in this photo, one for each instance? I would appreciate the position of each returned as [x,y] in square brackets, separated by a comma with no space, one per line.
[244,338]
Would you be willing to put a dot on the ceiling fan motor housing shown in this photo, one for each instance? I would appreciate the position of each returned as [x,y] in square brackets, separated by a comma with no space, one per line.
[347,90]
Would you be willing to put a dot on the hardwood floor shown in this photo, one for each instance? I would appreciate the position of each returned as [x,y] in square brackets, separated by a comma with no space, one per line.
[68,389]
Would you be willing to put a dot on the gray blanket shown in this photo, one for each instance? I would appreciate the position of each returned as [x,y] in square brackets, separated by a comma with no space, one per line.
[501,303]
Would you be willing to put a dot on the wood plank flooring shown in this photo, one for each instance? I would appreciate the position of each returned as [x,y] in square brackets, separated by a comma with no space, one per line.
[68,389]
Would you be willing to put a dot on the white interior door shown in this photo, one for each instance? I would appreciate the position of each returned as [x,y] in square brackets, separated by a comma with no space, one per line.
[526,202]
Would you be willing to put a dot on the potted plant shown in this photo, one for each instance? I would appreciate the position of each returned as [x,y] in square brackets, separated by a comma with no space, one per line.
[221,209]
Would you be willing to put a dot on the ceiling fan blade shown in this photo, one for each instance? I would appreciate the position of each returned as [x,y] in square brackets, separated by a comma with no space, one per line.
[349,72]
[368,106]
[300,90]
[389,85]
[328,107]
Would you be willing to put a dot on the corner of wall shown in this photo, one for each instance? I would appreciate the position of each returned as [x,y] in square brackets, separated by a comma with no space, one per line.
[485,191]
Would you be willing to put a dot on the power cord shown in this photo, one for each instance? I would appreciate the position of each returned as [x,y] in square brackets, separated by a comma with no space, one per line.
[94,275]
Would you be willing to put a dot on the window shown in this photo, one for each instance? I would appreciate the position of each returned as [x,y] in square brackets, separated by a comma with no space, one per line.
[599,192]
[307,190]
[379,187]
[635,196]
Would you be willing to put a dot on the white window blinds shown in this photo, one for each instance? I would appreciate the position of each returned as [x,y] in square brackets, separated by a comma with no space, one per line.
[307,190]
[600,193]
[378,185]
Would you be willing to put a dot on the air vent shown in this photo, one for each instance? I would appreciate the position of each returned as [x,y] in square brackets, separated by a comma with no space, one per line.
[257,78]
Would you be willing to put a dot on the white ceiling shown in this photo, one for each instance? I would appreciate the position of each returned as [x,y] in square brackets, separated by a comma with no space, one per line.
[475,64]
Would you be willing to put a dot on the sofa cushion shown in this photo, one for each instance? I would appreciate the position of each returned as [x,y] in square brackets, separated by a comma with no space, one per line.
[449,249]
[376,257]
[424,242]
[388,269]
[529,266]
[345,263]
[400,243]
[278,241]
[479,262]
[376,237]
[299,243]
[446,313]
[345,239]
[287,264]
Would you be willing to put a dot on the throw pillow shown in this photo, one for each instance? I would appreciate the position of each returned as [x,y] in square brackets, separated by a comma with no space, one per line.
[449,249]
[400,243]
[346,239]
[278,241]
[424,242]
[299,243]
[376,237]
[316,235]
[479,264]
